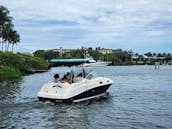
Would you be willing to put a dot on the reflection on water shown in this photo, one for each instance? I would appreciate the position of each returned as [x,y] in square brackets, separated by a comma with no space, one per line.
[140,97]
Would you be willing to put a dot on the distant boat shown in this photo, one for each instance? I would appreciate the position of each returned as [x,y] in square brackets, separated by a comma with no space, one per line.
[91,62]
[94,64]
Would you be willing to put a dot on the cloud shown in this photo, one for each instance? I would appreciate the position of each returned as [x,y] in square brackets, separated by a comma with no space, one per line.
[104,22]
[155,33]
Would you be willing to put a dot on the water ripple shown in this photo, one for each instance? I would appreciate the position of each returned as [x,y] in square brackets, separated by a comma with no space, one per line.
[139,98]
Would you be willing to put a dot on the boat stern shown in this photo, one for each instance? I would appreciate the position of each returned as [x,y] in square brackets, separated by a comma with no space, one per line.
[56,91]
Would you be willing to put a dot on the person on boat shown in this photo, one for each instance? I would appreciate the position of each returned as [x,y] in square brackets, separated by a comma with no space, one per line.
[82,74]
[56,78]
[66,79]
[68,76]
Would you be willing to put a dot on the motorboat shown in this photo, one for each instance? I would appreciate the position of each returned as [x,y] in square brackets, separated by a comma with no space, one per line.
[85,85]
[95,64]
[91,62]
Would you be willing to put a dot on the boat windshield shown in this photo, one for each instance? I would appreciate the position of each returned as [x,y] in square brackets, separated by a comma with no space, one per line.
[92,74]
[76,75]
[85,73]
[80,72]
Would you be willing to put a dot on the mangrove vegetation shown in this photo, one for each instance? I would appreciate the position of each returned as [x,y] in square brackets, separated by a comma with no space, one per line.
[15,65]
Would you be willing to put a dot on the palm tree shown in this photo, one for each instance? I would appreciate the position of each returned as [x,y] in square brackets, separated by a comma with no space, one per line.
[154,55]
[7,34]
[148,54]
[10,36]
[4,15]
[15,38]
[4,19]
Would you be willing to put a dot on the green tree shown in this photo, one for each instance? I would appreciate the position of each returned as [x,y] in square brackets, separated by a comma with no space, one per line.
[4,15]
[148,54]
[7,34]
[154,55]
[15,38]
[22,62]
[4,19]
[96,55]
[47,55]
[39,53]
[141,57]
[73,54]
[119,57]
[51,55]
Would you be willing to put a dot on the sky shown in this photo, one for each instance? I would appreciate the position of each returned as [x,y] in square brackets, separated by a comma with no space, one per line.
[138,25]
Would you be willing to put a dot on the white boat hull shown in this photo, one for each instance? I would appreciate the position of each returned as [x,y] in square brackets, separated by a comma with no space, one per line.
[79,91]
